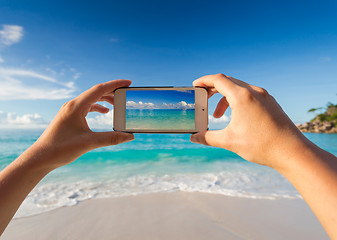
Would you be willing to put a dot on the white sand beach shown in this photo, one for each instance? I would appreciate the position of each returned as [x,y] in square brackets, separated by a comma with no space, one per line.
[178,215]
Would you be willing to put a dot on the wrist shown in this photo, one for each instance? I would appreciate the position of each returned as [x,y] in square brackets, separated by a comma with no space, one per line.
[36,159]
[296,153]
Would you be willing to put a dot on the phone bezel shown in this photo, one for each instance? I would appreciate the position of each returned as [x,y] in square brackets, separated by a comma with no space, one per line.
[201,109]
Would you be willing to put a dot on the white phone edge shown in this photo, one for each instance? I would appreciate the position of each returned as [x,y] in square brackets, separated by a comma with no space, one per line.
[201,110]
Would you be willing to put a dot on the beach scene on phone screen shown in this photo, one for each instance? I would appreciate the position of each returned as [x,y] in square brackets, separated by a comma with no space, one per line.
[160,109]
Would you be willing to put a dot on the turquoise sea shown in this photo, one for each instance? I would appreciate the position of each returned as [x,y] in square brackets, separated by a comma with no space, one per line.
[151,163]
[177,119]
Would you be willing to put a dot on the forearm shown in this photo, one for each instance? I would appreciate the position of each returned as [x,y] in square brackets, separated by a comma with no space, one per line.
[67,138]
[16,181]
[313,172]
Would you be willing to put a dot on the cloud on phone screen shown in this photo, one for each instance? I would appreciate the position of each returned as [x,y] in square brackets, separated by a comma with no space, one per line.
[149,105]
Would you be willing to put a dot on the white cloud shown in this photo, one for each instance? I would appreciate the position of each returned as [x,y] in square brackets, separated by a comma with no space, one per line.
[24,73]
[77,76]
[218,123]
[10,34]
[34,120]
[70,84]
[149,105]
[104,121]
[13,120]
[26,84]
[140,104]
[94,120]
[63,71]
[100,121]
[52,71]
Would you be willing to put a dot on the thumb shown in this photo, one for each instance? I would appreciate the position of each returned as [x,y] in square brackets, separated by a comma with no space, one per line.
[215,138]
[103,139]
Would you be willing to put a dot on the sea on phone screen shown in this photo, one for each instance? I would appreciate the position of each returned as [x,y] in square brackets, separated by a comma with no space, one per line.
[161,119]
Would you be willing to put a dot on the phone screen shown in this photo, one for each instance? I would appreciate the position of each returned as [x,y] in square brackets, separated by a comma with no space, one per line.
[160,109]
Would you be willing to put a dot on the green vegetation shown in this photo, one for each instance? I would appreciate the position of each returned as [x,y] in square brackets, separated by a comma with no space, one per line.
[330,114]
[314,109]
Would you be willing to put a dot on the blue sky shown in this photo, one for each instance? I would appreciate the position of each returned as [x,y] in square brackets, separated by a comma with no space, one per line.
[50,52]
[160,97]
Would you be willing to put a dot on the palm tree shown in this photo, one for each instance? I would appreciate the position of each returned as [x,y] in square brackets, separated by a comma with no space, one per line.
[314,109]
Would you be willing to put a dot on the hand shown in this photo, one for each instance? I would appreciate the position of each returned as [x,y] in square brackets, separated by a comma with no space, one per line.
[259,130]
[68,135]
[66,138]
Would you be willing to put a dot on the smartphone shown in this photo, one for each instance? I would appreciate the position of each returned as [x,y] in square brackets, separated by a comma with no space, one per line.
[160,109]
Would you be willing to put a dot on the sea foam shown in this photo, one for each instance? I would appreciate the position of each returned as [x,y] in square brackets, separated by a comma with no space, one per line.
[49,196]
[150,164]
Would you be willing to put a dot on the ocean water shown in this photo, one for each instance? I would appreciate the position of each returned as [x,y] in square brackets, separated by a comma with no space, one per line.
[161,119]
[151,163]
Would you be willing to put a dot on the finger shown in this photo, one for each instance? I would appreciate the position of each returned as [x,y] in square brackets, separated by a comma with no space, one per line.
[260,90]
[96,92]
[211,92]
[215,138]
[249,86]
[103,139]
[98,108]
[109,99]
[221,83]
[239,82]
[221,108]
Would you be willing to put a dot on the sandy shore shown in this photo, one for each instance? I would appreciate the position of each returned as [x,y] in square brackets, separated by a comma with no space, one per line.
[172,216]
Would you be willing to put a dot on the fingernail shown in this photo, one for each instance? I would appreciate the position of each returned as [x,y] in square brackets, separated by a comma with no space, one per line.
[129,137]
[194,138]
